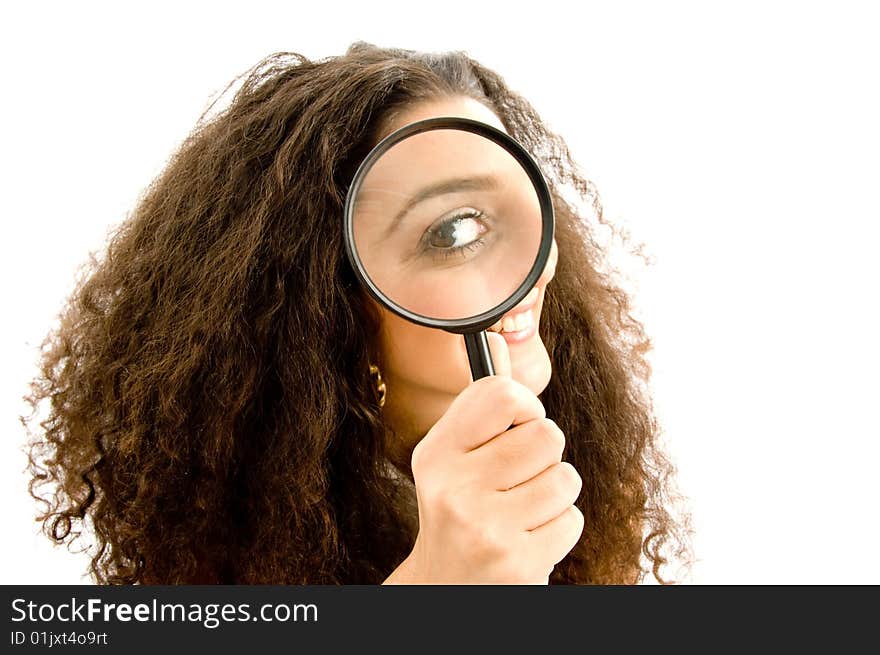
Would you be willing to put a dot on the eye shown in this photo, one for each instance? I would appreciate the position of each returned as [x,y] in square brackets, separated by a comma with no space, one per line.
[454,234]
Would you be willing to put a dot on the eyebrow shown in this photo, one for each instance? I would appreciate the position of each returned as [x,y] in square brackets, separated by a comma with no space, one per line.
[479,183]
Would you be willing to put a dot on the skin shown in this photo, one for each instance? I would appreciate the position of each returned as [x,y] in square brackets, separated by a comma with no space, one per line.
[425,369]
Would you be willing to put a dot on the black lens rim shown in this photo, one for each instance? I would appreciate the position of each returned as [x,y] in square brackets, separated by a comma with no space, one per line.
[523,157]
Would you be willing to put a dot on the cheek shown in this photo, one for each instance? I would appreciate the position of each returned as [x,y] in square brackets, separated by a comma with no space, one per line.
[422,356]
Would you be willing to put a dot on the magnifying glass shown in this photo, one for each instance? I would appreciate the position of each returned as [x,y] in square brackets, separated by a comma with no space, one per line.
[449,223]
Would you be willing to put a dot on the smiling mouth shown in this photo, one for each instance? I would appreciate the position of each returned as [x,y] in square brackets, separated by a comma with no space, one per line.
[521,317]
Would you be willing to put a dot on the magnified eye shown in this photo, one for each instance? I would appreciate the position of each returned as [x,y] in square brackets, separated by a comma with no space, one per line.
[451,235]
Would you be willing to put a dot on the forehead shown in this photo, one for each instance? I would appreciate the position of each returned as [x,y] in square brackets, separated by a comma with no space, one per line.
[448,159]
[434,153]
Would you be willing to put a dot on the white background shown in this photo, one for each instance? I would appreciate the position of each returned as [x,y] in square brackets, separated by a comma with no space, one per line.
[738,142]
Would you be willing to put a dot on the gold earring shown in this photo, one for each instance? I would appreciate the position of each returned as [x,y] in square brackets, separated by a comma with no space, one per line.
[380,385]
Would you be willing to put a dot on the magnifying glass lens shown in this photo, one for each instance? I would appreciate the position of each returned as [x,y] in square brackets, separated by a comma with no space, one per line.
[447,224]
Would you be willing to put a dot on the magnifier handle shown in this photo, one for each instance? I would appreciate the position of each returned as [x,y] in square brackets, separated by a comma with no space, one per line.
[479,355]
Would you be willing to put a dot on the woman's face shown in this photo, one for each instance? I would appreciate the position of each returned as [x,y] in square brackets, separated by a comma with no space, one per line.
[424,369]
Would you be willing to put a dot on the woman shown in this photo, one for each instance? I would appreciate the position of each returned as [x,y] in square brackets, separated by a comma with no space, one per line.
[229,406]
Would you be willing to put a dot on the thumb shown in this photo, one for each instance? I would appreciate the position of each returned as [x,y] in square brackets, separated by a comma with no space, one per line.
[500,353]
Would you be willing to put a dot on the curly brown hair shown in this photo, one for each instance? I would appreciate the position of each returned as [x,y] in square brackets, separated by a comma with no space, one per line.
[210,409]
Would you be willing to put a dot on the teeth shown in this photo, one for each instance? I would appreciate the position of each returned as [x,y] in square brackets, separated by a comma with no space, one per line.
[520,321]
[516,323]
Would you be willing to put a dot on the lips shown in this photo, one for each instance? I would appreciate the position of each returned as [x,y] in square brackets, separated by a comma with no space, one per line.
[518,318]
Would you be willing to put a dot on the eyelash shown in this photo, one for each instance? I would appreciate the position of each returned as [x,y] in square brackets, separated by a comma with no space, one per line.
[451,252]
